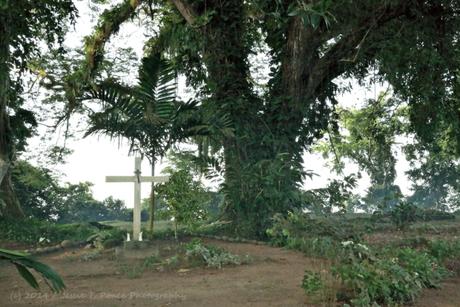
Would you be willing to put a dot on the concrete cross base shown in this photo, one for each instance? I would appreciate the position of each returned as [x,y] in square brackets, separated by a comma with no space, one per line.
[136,244]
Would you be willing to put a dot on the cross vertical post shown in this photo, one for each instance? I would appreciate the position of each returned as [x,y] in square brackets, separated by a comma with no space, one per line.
[137,199]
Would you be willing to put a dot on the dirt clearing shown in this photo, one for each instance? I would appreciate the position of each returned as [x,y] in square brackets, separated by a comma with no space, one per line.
[272,278]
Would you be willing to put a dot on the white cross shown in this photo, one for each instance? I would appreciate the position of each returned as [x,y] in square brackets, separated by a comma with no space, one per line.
[137,179]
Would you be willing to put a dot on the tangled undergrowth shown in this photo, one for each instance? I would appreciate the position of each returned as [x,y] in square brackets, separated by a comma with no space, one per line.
[361,273]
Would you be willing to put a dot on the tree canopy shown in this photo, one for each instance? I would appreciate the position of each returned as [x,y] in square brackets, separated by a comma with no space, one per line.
[311,46]
[24,27]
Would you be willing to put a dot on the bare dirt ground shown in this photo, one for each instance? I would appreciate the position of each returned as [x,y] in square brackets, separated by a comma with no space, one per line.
[272,278]
[447,296]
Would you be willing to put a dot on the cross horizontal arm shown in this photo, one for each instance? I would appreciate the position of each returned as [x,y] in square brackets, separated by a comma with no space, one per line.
[158,179]
[120,178]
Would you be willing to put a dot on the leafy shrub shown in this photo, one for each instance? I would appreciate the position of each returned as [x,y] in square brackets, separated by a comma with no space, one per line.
[312,282]
[392,278]
[212,256]
[132,271]
[151,261]
[443,250]
[369,277]
[379,216]
[324,247]
[319,236]
[426,269]
[404,214]
[107,238]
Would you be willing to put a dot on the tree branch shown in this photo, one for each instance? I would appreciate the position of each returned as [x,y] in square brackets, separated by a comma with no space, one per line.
[109,24]
[345,52]
[186,10]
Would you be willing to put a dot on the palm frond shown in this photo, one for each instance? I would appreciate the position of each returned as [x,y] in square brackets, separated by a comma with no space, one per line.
[24,262]
[157,86]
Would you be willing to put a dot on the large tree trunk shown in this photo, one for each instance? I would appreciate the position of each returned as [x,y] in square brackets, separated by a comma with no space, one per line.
[262,159]
[226,61]
[9,205]
[263,162]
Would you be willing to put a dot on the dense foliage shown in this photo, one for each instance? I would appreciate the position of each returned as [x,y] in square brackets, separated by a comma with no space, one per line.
[309,46]
[42,197]
[270,121]
[184,197]
[25,27]
[35,232]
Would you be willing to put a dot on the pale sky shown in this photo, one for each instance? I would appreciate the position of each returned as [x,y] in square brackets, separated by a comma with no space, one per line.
[97,156]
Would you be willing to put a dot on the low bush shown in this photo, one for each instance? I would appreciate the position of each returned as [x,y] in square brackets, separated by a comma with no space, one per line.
[317,237]
[301,225]
[404,214]
[107,238]
[435,215]
[369,276]
[444,250]
[212,256]
[391,277]
[312,282]
[33,232]
[417,242]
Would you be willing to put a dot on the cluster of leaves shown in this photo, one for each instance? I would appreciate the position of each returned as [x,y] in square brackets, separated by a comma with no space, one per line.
[183,197]
[391,277]
[404,214]
[107,238]
[434,175]
[212,256]
[143,114]
[443,250]
[312,282]
[24,263]
[387,277]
